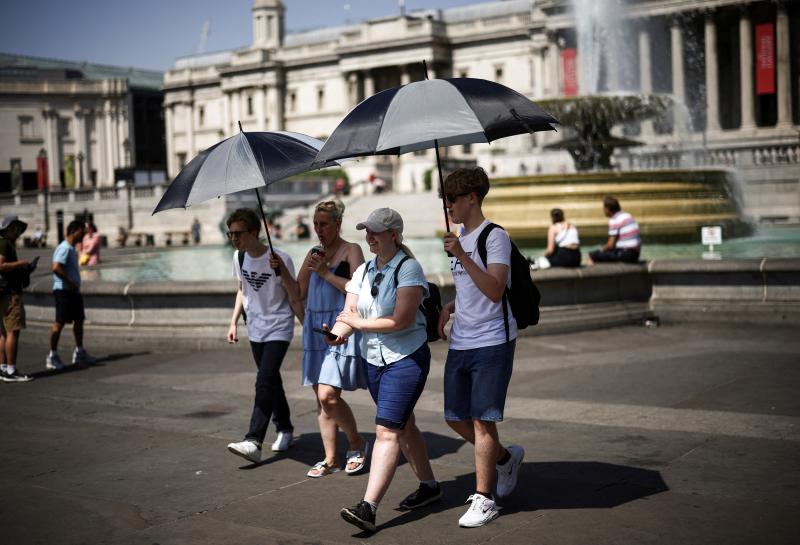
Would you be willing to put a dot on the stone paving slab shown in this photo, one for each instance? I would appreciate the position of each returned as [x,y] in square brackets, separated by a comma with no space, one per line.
[681,434]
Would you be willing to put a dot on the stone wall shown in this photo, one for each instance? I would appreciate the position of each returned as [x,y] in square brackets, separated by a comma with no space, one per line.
[172,314]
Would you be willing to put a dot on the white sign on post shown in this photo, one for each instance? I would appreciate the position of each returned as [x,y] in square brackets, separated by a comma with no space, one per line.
[711,236]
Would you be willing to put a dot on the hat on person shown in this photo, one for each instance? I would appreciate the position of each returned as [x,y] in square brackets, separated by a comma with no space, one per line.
[6,222]
[381,220]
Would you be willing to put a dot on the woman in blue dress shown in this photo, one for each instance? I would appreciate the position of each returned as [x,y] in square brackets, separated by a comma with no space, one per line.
[322,278]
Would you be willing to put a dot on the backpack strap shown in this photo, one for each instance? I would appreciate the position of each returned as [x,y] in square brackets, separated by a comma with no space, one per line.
[482,253]
[240,256]
[397,270]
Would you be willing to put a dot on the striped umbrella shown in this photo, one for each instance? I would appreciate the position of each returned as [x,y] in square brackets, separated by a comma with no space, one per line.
[427,114]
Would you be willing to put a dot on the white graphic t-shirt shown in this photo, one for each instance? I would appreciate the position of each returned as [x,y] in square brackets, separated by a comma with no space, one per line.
[479,322]
[269,315]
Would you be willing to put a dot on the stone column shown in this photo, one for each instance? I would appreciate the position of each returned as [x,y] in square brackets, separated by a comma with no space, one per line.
[405,77]
[369,84]
[537,73]
[80,148]
[51,147]
[784,68]
[260,109]
[102,146]
[678,77]
[746,69]
[110,144]
[189,108]
[275,99]
[712,74]
[169,117]
[352,89]
[645,73]
[226,114]
[236,112]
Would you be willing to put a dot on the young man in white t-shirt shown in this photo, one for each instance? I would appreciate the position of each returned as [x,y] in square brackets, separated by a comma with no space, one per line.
[481,355]
[270,303]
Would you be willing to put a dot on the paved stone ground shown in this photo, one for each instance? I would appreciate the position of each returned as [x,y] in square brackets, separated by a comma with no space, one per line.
[680,434]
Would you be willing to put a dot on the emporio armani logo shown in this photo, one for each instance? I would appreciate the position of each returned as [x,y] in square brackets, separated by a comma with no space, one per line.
[255,279]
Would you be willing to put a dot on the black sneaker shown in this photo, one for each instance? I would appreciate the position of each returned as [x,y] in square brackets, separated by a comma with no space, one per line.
[360,515]
[422,496]
[16,377]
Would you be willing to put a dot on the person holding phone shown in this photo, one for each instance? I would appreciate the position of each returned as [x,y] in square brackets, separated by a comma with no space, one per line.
[271,302]
[328,370]
[382,303]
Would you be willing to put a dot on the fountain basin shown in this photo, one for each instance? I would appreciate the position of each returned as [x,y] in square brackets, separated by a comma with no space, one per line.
[670,205]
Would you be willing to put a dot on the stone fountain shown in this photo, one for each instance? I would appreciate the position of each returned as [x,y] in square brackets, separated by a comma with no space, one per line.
[669,205]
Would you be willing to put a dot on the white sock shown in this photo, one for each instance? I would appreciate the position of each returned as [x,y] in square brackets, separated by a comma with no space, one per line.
[373,505]
[11,369]
[3,367]
[53,353]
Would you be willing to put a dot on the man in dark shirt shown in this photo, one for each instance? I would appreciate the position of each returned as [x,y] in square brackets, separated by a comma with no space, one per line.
[14,274]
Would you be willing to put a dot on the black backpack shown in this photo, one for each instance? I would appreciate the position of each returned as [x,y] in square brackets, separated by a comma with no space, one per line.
[431,305]
[523,295]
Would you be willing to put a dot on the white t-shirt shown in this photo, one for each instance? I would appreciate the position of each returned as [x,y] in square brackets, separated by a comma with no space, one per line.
[479,322]
[269,315]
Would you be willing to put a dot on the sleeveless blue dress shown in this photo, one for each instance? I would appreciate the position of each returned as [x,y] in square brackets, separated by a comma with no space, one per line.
[338,366]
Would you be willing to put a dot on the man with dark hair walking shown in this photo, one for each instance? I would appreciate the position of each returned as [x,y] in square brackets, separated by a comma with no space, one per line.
[68,298]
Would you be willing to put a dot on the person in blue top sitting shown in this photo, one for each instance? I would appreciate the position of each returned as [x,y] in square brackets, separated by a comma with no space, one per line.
[397,360]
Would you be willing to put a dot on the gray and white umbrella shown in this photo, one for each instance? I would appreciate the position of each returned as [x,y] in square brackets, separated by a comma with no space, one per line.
[429,113]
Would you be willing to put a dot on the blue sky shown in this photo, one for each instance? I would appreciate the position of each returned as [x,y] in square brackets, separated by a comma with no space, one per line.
[152,33]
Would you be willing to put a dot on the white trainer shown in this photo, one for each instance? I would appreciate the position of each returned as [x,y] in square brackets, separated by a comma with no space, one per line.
[247,450]
[54,362]
[507,473]
[481,511]
[283,441]
[82,357]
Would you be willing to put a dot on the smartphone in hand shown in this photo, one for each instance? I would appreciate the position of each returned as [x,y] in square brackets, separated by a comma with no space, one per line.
[328,334]
[34,262]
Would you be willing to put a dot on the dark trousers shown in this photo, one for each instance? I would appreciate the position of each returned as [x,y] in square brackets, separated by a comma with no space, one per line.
[617,254]
[270,397]
[565,257]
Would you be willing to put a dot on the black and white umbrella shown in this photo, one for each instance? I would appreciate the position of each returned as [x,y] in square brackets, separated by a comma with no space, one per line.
[427,114]
[248,160]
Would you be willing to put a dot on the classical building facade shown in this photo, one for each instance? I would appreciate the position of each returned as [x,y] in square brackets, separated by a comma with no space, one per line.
[93,124]
[733,63]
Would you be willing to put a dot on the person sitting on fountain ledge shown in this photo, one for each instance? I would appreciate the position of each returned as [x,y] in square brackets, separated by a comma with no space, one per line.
[624,243]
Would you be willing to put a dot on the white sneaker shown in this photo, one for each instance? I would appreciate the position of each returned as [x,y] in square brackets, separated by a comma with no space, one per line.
[54,362]
[82,357]
[481,511]
[283,441]
[508,472]
[247,450]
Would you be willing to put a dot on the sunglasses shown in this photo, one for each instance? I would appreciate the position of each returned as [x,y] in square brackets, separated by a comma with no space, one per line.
[376,283]
[453,198]
[235,234]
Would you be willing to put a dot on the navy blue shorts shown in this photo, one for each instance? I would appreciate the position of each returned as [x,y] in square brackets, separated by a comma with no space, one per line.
[396,387]
[476,382]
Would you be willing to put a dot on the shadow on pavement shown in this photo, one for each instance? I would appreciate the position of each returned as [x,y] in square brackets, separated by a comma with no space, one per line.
[548,485]
[307,449]
[100,362]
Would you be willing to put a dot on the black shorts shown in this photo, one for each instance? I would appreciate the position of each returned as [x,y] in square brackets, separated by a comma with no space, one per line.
[617,254]
[69,306]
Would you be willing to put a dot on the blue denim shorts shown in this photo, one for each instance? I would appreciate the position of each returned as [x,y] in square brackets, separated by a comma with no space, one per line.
[396,387]
[476,382]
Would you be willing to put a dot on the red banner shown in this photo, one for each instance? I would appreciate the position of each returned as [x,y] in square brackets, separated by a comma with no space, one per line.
[569,63]
[41,173]
[765,59]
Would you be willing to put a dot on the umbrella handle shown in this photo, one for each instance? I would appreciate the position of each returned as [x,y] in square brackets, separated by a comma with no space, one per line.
[266,228]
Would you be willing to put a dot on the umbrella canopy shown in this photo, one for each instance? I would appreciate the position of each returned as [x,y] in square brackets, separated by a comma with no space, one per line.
[428,113]
[248,160]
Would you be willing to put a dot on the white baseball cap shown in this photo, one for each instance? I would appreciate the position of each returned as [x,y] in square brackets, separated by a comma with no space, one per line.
[383,219]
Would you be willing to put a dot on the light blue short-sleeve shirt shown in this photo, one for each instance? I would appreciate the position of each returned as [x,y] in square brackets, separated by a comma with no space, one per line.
[385,348]
[68,257]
